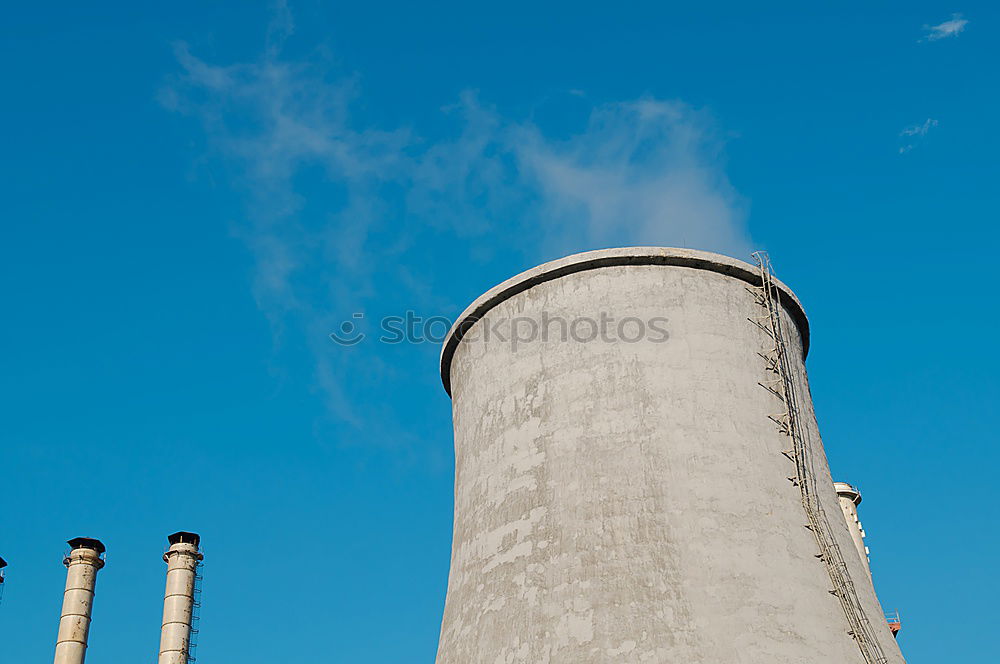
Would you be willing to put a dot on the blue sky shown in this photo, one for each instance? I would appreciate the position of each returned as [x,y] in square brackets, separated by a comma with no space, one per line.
[195,195]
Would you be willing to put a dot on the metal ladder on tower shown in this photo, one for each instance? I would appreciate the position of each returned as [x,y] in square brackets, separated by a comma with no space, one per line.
[195,614]
[789,422]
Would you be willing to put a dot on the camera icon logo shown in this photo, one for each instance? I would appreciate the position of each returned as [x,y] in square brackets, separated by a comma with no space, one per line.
[349,334]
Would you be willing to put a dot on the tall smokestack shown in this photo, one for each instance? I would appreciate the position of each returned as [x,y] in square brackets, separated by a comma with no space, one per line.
[84,560]
[850,498]
[182,558]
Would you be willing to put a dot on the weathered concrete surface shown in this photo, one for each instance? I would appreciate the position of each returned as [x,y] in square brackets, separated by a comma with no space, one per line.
[629,502]
[850,498]
[182,558]
[82,565]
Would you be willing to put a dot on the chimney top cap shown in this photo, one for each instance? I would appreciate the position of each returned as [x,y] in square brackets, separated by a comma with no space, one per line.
[848,491]
[184,537]
[87,543]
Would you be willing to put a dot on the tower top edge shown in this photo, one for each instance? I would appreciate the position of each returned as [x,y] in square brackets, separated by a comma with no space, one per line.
[613,257]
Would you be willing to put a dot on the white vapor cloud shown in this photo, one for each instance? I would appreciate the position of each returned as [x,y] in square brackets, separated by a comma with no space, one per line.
[273,119]
[915,132]
[919,129]
[400,215]
[950,28]
[642,172]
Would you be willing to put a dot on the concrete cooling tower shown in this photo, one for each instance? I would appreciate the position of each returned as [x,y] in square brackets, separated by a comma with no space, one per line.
[639,476]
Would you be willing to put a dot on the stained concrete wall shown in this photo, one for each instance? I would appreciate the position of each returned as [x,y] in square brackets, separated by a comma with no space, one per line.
[629,502]
[182,558]
[82,565]
[850,498]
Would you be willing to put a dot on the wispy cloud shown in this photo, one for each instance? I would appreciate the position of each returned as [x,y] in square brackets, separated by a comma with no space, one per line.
[393,204]
[912,134]
[642,172]
[645,171]
[950,28]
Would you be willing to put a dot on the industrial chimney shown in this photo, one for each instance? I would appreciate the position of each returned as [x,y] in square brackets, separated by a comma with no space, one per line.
[182,558]
[85,558]
[639,475]
[850,498]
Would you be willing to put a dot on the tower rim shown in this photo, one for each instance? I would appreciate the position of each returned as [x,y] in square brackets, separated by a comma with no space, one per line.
[611,257]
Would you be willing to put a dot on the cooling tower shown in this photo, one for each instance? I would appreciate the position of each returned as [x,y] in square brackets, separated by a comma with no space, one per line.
[639,476]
